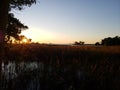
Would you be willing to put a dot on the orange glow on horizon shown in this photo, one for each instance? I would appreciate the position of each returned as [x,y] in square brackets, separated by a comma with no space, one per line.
[45,36]
[24,41]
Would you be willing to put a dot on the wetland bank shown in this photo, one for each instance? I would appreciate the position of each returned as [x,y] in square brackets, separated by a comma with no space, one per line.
[48,67]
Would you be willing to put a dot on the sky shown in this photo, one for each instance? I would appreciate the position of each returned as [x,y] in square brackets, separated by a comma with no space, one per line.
[67,21]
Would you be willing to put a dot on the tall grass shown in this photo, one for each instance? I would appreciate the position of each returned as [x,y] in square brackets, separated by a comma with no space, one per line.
[100,64]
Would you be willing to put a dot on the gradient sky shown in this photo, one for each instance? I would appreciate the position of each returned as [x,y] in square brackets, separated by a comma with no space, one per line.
[66,21]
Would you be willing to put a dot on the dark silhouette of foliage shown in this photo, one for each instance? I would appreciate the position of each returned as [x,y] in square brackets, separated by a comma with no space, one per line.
[111,41]
[79,43]
[97,43]
[14,27]
[21,37]
[19,4]
[5,7]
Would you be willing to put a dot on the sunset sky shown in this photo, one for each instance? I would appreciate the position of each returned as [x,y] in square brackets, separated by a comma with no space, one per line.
[66,21]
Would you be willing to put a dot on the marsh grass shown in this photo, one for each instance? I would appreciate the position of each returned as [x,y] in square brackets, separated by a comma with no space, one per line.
[99,65]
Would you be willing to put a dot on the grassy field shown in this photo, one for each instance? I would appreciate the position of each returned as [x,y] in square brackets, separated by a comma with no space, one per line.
[99,65]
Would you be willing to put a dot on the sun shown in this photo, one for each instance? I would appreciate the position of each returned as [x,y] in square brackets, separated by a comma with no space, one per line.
[24,40]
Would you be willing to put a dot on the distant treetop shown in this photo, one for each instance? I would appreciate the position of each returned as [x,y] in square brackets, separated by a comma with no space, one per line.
[19,4]
[109,41]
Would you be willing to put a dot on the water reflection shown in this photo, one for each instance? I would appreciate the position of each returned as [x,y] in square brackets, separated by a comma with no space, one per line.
[13,69]
[38,76]
[13,74]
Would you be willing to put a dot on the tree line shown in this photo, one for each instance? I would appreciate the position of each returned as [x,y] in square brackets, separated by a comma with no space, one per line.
[109,41]
[79,43]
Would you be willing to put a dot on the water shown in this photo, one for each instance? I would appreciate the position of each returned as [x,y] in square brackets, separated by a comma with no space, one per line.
[13,74]
[38,76]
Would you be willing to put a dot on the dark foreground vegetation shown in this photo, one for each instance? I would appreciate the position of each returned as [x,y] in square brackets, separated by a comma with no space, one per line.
[61,67]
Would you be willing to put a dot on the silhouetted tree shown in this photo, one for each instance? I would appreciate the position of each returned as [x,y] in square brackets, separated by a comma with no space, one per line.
[14,28]
[79,43]
[116,40]
[5,7]
[76,43]
[22,39]
[111,41]
[97,43]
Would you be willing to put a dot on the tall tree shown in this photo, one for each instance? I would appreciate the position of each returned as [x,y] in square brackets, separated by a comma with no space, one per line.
[5,7]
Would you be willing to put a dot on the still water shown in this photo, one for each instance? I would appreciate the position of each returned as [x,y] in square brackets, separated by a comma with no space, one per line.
[38,76]
[14,75]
